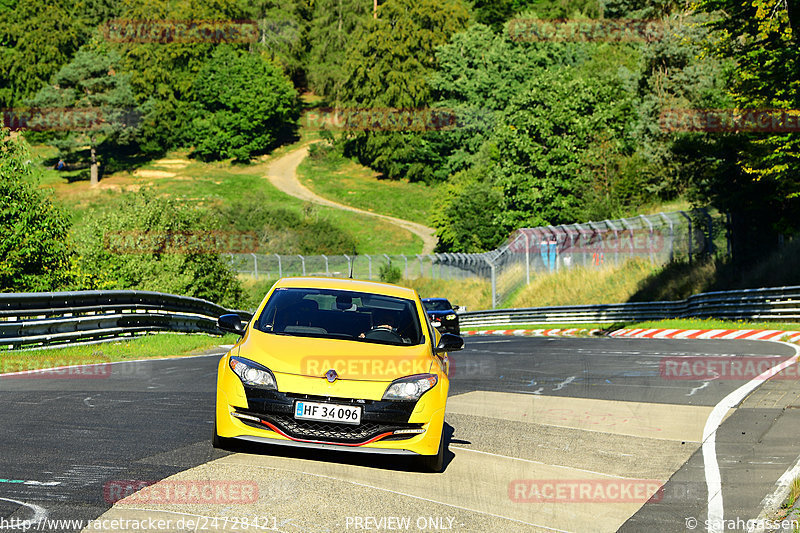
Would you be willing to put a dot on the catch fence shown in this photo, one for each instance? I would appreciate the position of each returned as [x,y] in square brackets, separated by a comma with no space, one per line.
[528,252]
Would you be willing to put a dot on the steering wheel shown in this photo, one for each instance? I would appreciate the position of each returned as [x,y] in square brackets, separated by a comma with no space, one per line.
[383,334]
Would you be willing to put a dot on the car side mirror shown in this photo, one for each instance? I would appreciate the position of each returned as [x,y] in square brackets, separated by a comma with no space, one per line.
[456,307]
[231,323]
[449,343]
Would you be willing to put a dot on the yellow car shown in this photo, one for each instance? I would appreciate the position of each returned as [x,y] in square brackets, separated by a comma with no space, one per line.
[337,364]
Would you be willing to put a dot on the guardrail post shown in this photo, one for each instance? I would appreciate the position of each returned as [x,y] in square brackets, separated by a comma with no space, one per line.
[280,268]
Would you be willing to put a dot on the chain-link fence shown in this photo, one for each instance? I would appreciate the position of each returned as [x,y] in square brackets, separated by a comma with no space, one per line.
[363,266]
[528,252]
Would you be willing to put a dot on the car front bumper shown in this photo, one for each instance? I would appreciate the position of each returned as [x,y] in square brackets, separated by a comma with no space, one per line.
[386,426]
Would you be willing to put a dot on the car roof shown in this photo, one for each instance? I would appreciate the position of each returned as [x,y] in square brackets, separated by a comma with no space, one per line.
[434,299]
[373,287]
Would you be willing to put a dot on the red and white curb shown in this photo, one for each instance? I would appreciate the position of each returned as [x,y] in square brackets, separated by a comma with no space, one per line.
[726,334]
[572,332]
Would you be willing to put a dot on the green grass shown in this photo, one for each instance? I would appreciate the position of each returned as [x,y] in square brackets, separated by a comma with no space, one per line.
[576,286]
[335,177]
[713,323]
[212,184]
[148,346]
[536,326]
[473,293]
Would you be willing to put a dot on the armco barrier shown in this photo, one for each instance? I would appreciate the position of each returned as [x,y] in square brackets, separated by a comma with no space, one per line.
[778,303]
[52,318]
[44,319]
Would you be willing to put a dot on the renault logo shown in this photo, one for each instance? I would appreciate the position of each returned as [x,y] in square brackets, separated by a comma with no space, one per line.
[331,375]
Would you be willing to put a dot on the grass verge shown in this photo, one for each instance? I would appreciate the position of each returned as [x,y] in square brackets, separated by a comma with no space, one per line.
[331,175]
[683,323]
[145,347]
[215,184]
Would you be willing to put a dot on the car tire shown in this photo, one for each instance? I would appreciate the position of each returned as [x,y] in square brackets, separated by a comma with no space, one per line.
[220,443]
[434,463]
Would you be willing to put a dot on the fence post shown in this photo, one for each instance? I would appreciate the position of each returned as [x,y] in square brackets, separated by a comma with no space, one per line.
[280,269]
[405,270]
[527,258]
[421,271]
[255,266]
[710,238]
[303,261]
[327,272]
[494,281]
[370,265]
[728,234]
[649,238]
[671,236]
[349,266]
[433,274]
[616,240]
[691,235]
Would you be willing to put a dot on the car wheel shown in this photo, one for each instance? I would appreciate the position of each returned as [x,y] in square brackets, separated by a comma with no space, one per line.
[434,463]
[218,442]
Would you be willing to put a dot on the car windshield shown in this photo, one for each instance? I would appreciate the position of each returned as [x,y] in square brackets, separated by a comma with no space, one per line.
[437,305]
[338,314]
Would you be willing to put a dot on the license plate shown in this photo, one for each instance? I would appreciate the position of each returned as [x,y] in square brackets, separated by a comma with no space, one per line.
[327,412]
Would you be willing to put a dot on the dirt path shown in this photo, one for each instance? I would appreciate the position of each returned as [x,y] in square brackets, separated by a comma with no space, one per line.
[282,173]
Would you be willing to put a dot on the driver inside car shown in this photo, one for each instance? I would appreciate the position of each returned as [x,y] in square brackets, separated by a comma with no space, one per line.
[382,319]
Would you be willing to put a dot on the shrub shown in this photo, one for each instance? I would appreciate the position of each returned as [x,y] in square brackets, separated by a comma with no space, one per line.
[35,254]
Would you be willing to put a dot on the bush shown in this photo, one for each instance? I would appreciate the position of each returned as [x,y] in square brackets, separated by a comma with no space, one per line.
[390,274]
[34,245]
[113,258]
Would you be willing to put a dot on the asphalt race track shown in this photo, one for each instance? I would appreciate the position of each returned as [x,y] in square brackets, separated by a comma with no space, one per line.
[524,414]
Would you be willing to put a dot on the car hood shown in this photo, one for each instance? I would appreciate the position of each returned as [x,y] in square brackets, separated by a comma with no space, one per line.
[313,357]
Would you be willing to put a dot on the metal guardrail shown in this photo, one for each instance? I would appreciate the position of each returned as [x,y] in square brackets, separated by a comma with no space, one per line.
[54,318]
[57,318]
[778,303]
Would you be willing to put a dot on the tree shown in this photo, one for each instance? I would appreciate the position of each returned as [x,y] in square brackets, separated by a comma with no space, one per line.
[162,73]
[36,39]
[388,66]
[332,32]
[243,105]
[35,251]
[91,84]
[283,34]
[543,143]
[760,37]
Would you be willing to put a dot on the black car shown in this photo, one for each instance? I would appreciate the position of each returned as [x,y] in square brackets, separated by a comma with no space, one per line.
[442,315]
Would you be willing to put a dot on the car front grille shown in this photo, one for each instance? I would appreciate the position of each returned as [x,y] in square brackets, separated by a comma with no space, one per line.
[332,432]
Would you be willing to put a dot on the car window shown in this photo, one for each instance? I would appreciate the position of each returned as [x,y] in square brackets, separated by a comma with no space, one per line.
[437,305]
[339,314]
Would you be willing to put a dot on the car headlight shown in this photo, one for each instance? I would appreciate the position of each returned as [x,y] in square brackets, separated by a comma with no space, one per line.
[451,316]
[252,373]
[411,387]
